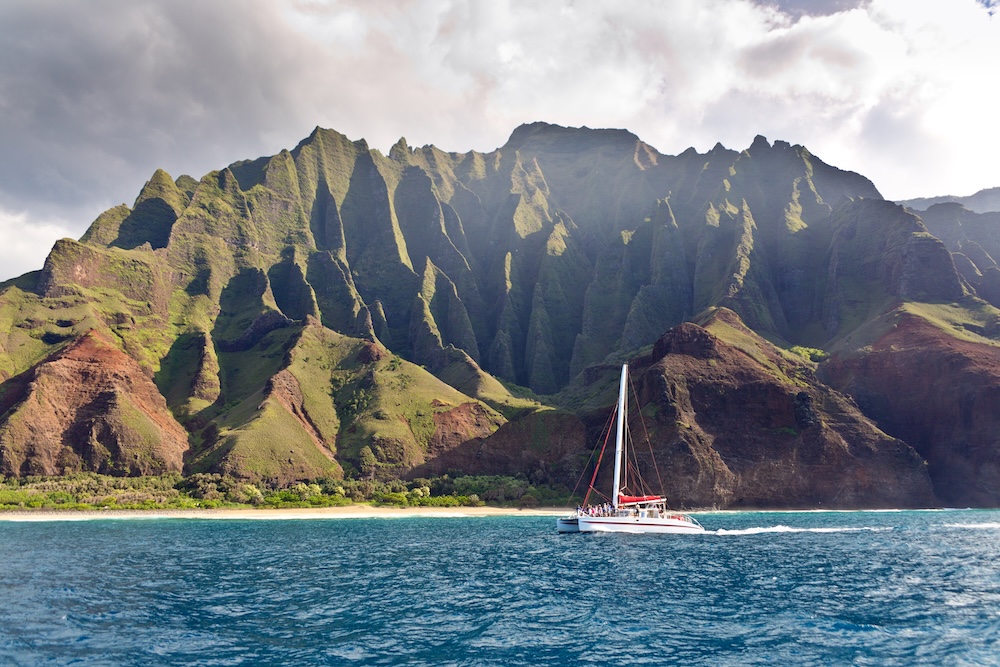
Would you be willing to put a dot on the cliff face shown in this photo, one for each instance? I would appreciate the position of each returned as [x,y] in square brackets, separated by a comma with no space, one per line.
[534,260]
[938,392]
[531,262]
[974,241]
[89,407]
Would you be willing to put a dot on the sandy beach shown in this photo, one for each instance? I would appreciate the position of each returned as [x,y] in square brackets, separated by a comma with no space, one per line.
[345,512]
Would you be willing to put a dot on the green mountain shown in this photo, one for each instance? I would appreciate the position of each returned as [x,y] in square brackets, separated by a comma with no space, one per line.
[333,310]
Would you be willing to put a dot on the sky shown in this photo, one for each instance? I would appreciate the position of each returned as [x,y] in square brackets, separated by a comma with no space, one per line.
[96,96]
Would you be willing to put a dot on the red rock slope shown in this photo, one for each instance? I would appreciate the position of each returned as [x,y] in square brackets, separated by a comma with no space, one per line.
[938,392]
[736,422]
[88,407]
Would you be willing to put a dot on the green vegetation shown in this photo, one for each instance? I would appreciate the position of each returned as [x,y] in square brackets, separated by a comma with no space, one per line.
[501,490]
[810,353]
[391,405]
[90,491]
[86,491]
[972,319]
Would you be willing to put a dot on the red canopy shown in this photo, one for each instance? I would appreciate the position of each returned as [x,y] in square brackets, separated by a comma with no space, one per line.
[623,499]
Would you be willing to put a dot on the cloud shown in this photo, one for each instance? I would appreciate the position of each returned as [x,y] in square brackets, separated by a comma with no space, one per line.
[95,97]
[24,243]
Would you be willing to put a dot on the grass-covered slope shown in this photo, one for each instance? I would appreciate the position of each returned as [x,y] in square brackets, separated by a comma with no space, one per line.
[305,401]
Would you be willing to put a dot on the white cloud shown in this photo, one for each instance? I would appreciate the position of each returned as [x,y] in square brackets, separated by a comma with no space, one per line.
[898,90]
[24,243]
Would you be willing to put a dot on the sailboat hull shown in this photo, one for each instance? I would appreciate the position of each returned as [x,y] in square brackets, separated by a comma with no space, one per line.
[636,524]
[568,525]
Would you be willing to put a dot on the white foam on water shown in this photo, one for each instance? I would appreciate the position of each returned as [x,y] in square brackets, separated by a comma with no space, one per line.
[789,529]
[992,525]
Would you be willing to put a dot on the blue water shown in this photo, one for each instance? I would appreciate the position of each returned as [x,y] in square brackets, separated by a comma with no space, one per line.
[857,588]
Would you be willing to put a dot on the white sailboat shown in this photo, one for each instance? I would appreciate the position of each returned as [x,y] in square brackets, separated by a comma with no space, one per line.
[627,513]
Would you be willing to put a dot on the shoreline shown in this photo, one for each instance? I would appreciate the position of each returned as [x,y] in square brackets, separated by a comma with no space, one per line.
[359,511]
[343,512]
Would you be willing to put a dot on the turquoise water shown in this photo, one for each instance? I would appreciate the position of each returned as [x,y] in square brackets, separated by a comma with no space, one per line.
[853,588]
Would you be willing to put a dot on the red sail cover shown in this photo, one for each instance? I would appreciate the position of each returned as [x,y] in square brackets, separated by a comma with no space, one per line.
[623,499]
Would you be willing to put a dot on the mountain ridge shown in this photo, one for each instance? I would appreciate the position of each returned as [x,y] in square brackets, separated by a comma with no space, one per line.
[349,300]
[986,200]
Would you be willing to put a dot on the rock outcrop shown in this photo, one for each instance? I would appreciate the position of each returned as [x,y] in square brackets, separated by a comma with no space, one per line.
[735,422]
[88,407]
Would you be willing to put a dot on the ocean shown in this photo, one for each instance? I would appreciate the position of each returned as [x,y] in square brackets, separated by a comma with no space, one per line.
[760,588]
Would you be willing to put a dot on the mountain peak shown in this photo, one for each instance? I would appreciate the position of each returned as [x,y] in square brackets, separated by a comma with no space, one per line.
[548,132]
[399,150]
[760,143]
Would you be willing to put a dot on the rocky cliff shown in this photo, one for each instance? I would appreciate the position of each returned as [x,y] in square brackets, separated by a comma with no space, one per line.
[974,242]
[938,391]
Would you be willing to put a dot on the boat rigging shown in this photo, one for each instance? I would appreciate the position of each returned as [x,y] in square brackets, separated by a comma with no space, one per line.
[625,513]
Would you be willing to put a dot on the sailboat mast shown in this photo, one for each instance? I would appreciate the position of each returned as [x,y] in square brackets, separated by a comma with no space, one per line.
[620,436]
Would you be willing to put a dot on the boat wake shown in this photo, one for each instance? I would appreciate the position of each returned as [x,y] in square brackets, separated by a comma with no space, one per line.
[789,529]
[974,526]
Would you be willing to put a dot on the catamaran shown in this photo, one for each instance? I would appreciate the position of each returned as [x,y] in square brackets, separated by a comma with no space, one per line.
[626,513]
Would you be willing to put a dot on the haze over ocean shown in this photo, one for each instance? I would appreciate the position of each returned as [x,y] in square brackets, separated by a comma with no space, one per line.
[819,588]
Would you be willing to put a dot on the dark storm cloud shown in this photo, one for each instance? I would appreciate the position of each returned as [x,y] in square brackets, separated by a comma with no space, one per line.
[798,8]
[91,92]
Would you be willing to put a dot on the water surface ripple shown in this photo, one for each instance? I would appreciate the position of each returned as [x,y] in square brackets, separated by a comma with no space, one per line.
[837,588]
